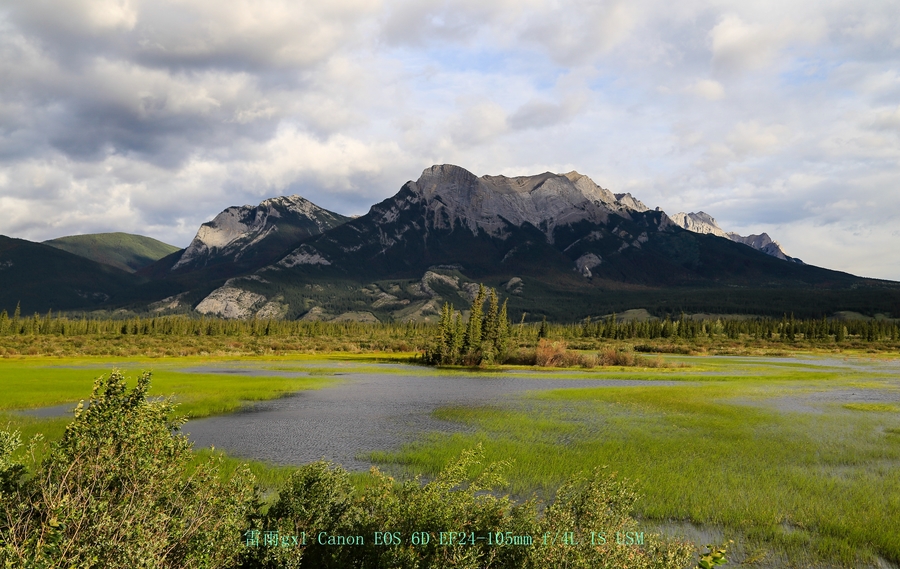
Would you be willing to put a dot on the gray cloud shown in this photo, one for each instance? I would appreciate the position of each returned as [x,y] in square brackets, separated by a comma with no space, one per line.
[151,117]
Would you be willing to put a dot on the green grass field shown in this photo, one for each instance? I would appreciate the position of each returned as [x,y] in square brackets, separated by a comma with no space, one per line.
[797,460]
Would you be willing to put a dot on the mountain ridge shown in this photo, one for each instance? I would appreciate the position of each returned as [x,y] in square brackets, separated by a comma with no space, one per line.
[559,233]
[702,222]
[239,231]
[554,245]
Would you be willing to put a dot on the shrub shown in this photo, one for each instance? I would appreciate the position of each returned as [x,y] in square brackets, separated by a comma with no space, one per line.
[555,354]
[320,498]
[550,354]
[116,491]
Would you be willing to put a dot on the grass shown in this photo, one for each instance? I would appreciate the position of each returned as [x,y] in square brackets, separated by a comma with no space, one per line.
[807,487]
[875,407]
[27,383]
[714,450]
[45,382]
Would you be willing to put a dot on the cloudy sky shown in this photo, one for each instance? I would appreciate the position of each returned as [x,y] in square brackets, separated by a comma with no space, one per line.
[151,116]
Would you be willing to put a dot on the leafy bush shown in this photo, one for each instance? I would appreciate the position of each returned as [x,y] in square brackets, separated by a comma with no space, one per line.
[555,354]
[116,491]
[320,498]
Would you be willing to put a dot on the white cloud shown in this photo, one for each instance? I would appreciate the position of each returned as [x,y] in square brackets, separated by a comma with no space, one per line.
[887,119]
[478,123]
[738,45]
[709,89]
[749,138]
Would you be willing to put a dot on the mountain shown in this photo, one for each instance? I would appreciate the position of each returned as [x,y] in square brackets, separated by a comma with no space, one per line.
[41,277]
[244,238]
[702,222]
[121,250]
[554,244]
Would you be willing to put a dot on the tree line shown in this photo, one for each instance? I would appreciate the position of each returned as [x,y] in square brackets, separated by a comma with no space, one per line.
[486,335]
[180,325]
[787,329]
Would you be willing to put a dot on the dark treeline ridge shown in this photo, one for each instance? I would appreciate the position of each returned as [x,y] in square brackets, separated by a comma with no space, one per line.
[204,326]
[785,329]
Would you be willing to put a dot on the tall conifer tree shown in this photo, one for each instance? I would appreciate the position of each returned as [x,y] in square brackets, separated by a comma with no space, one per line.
[473,331]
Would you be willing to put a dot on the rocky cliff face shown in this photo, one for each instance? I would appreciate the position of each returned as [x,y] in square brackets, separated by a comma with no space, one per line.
[456,196]
[449,216]
[701,222]
[244,231]
[764,243]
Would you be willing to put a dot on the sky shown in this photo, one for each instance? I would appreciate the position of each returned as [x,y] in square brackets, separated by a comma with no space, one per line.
[152,116]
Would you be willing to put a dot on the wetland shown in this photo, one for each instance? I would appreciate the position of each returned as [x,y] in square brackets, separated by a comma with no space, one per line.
[794,458]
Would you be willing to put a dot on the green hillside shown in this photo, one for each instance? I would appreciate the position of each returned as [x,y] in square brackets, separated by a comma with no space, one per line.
[39,278]
[121,250]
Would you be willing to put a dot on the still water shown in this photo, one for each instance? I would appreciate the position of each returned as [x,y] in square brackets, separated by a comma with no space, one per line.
[364,412]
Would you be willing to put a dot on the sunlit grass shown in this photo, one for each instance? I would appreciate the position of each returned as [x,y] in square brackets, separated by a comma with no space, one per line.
[809,486]
[874,407]
[29,384]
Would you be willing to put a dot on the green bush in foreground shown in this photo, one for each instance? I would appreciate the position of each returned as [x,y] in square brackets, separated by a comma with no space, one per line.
[117,491]
[320,501]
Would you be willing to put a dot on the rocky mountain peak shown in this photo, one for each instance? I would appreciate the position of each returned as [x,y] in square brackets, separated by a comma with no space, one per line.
[628,201]
[699,222]
[238,228]
[702,222]
[454,195]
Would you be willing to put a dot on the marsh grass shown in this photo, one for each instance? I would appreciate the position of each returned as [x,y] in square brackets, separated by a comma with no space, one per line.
[44,382]
[873,407]
[804,487]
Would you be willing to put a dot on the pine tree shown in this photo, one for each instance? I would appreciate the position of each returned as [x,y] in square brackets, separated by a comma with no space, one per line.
[445,339]
[491,326]
[15,319]
[542,331]
[473,330]
[666,331]
[502,346]
[459,333]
